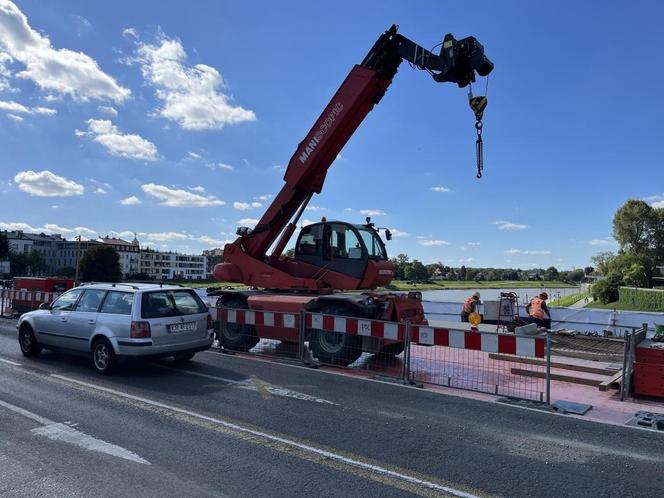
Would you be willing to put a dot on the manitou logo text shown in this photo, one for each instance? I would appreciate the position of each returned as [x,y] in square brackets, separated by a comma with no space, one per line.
[327,124]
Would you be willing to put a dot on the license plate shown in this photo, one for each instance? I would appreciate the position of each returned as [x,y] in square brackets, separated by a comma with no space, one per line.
[182,327]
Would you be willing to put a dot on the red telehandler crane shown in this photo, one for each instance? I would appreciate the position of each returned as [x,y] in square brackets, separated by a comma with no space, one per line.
[332,256]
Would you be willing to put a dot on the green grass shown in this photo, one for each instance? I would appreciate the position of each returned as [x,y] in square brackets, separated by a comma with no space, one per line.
[403,285]
[570,299]
[618,305]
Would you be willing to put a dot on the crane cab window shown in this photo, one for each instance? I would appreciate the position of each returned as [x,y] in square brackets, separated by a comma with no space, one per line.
[343,242]
[310,241]
[374,245]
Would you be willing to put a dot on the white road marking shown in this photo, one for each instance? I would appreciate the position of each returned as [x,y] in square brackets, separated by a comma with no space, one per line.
[67,434]
[270,437]
[10,362]
[250,386]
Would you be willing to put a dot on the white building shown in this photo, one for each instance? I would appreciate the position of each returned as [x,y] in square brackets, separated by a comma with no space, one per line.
[172,265]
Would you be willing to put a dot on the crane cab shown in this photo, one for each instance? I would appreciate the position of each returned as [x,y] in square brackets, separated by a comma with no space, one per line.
[340,247]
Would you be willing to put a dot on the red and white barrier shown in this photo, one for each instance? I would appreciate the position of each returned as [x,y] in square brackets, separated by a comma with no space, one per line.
[534,347]
[257,317]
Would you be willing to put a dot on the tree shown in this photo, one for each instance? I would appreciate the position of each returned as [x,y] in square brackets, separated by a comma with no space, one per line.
[400,265]
[138,276]
[18,263]
[606,291]
[462,273]
[588,270]
[417,272]
[100,264]
[634,226]
[36,262]
[551,273]
[602,261]
[576,275]
[4,246]
[66,271]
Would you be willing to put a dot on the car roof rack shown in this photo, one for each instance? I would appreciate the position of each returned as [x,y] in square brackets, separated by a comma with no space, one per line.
[126,285]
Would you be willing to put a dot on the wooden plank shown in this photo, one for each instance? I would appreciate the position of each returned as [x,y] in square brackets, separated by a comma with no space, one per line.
[607,384]
[554,364]
[564,378]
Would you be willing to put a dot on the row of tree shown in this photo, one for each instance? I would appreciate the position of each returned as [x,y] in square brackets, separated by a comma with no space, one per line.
[639,230]
[415,270]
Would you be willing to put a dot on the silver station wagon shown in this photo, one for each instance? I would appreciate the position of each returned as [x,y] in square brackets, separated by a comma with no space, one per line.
[111,322]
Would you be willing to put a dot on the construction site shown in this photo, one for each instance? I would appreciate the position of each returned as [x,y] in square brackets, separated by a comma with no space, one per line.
[304,369]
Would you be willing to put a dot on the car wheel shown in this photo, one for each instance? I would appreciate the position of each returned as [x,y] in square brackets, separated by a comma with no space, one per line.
[27,341]
[103,356]
[183,356]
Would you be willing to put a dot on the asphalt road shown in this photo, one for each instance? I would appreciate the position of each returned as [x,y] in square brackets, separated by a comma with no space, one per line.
[228,426]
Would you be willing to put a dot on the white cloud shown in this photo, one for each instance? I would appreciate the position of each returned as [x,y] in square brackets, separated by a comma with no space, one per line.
[130,33]
[243,206]
[472,243]
[656,201]
[433,242]
[107,109]
[315,208]
[100,190]
[130,201]
[198,188]
[48,228]
[46,184]
[508,225]
[602,242]
[16,118]
[191,95]
[165,236]
[119,144]
[227,167]
[348,210]
[265,197]
[179,198]
[398,233]
[372,212]
[439,189]
[15,107]
[193,156]
[62,71]
[530,252]
[211,241]
[248,222]
[466,260]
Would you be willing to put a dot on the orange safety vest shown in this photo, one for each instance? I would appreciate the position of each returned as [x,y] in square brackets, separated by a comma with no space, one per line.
[536,310]
[469,305]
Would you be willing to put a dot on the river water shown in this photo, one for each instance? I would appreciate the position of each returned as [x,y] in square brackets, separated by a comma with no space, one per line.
[525,295]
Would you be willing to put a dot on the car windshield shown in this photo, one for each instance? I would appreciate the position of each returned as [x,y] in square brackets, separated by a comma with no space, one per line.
[171,303]
[374,245]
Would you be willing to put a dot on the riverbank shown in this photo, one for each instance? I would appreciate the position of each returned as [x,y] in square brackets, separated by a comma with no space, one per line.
[403,285]
[620,306]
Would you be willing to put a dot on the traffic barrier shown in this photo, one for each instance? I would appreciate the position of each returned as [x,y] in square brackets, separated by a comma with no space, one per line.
[447,356]
[16,301]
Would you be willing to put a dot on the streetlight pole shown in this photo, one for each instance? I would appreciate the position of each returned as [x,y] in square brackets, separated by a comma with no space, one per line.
[78,258]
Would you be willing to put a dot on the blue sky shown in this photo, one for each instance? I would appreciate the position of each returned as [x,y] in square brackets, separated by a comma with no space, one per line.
[175,121]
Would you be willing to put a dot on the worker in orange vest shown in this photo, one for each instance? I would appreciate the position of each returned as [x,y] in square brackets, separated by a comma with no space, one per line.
[469,306]
[537,310]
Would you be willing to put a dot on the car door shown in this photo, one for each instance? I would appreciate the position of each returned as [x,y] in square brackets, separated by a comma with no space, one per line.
[51,327]
[81,323]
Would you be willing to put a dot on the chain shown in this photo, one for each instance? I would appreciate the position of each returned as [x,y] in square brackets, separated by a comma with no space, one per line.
[478,104]
[479,149]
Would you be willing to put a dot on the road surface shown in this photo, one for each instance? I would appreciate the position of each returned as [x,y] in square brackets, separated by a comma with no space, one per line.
[230,426]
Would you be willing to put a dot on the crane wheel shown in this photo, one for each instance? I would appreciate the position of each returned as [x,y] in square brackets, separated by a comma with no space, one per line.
[234,336]
[333,347]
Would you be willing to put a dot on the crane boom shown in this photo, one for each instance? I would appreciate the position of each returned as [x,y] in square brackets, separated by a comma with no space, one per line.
[305,175]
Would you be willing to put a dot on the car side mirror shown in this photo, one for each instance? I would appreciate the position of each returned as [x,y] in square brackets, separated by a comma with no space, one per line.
[45,306]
